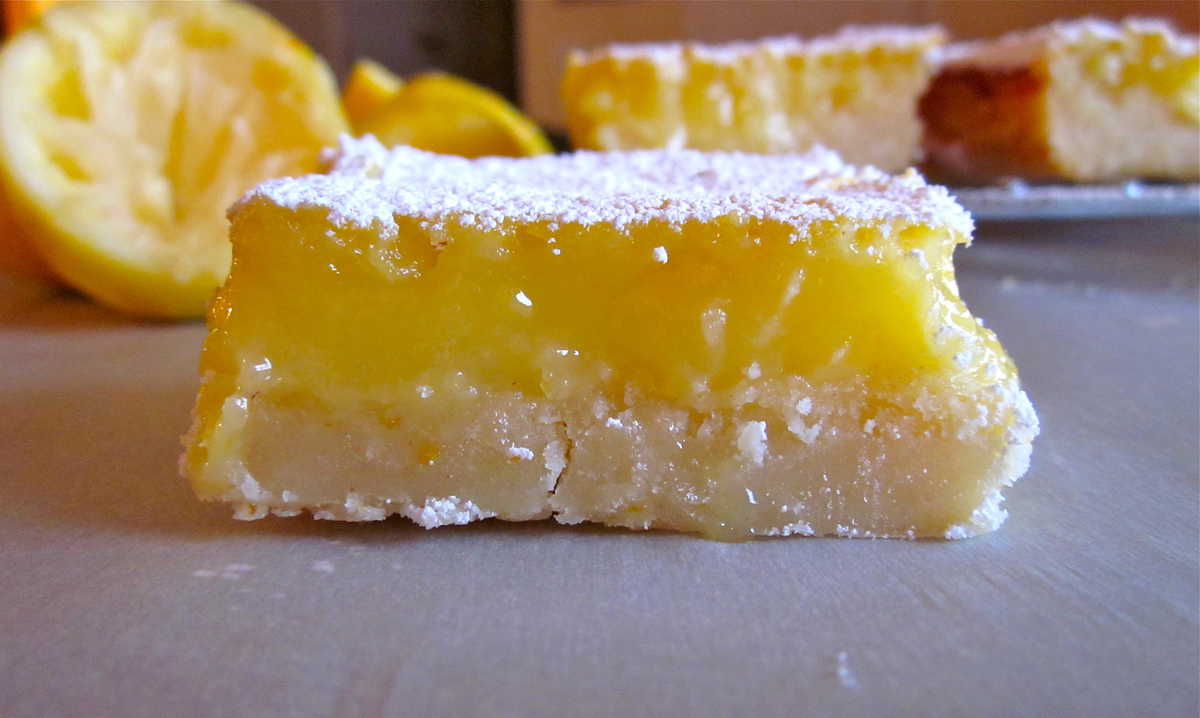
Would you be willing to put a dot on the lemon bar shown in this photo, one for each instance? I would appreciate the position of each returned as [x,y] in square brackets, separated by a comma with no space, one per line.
[1085,100]
[855,92]
[732,345]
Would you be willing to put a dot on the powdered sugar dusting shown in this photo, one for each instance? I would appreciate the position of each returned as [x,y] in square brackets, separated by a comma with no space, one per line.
[851,38]
[369,186]
[447,511]
[752,443]
[844,673]
[1021,48]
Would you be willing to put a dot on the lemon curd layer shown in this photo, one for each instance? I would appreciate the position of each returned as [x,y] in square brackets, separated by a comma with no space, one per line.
[727,344]
[855,91]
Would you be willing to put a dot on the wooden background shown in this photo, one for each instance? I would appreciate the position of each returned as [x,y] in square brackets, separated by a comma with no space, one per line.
[471,38]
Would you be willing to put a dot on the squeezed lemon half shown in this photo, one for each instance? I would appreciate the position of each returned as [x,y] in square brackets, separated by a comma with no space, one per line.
[369,87]
[445,114]
[127,129]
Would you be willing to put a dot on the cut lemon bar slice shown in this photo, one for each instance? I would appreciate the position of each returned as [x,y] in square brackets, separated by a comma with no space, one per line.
[1087,100]
[726,344]
[855,92]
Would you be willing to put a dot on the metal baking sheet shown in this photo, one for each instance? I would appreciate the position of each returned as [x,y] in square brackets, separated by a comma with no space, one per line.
[1017,200]
[123,596]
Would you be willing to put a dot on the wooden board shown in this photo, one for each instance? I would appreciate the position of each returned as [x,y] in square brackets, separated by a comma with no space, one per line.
[123,596]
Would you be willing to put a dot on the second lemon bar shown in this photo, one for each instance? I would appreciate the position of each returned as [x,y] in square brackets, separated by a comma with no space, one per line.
[1085,101]
[855,92]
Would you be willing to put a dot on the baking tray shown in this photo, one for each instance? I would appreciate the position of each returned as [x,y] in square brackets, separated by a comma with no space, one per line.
[1017,200]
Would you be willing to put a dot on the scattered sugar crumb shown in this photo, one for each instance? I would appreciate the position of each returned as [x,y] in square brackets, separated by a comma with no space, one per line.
[245,511]
[803,431]
[844,673]
[520,453]
[752,442]
[523,299]
[800,528]
[447,511]
[660,255]
[361,510]
[919,255]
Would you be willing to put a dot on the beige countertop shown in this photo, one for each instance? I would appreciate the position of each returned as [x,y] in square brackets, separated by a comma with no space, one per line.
[123,596]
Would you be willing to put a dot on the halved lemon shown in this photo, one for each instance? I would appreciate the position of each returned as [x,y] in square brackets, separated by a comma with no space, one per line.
[369,87]
[448,115]
[127,129]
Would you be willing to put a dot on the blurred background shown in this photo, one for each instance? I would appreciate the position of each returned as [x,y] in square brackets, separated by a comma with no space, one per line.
[516,47]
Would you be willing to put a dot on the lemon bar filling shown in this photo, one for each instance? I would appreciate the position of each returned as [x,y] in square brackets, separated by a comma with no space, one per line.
[725,344]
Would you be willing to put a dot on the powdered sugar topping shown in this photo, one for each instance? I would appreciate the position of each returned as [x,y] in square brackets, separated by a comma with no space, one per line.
[851,38]
[369,186]
[1017,49]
